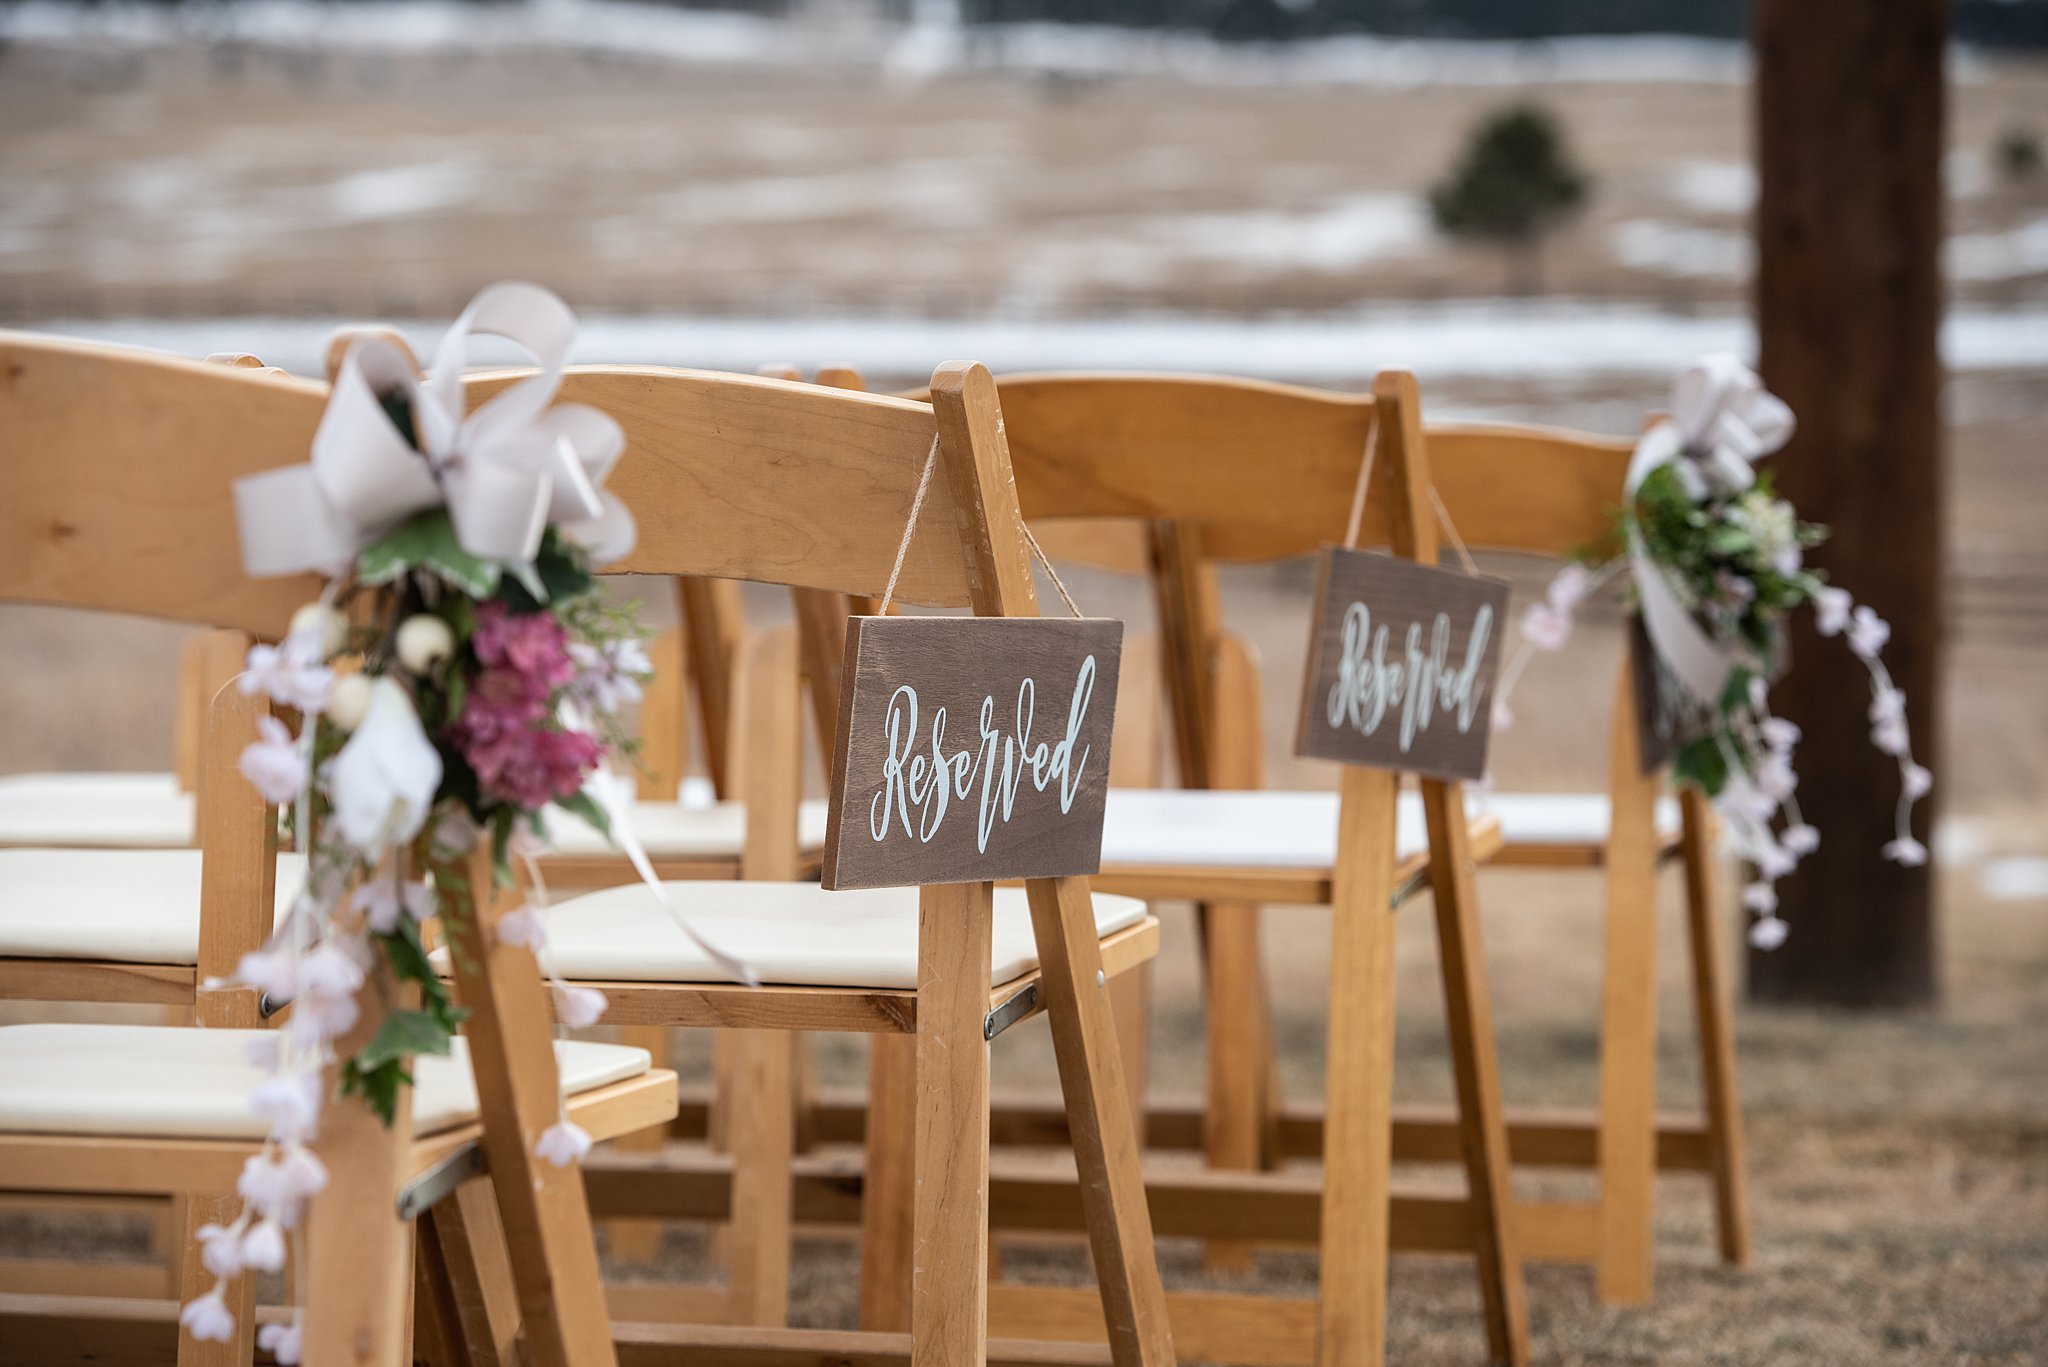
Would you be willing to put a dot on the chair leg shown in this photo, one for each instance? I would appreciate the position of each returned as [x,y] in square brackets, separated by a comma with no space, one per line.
[1240,1057]
[761,1128]
[888,1184]
[1130,1002]
[468,1271]
[639,1241]
[358,1252]
[1468,1012]
[1241,1124]
[1099,1119]
[1716,1030]
[949,1278]
[546,1215]
[193,1280]
[1628,1026]
[1358,1128]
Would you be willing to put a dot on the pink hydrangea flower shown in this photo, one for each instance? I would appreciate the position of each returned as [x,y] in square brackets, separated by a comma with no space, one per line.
[505,730]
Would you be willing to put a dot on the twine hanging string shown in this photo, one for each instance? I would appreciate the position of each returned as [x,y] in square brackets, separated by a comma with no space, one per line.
[1443,519]
[924,486]
[1372,451]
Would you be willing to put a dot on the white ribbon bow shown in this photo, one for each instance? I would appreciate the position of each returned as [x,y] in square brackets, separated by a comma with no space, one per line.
[505,471]
[1723,420]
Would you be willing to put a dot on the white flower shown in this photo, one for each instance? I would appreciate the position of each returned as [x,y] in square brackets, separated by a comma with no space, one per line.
[278,1188]
[562,1143]
[286,1343]
[208,1319]
[1831,610]
[1546,628]
[1503,719]
[1768,933]
[273,972]
[1775,777]
[423,641]
[263,1247]
[291,1103]
[321,625]
[273,764]
[1868,633]
[380,902]
[383,781]
[609,677]
[1773,861]
[522,928]
[1888,721]
[1906,851]
[1800,839]
[349,701]
[1779,734]
[1917,779]
[1569,588]
[1746,802]
[1761,898]
[577,1007]
[291,673]
[220,1249]
[330,971]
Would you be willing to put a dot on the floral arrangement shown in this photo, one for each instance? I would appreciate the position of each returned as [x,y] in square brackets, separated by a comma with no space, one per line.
[458,676]
[1718,566]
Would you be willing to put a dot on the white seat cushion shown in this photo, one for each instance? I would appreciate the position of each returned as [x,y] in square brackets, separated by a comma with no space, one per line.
[128,906]
[681,830]
[1221,829]
[1562,818]
[174,1082]
[795,934]
[127,811]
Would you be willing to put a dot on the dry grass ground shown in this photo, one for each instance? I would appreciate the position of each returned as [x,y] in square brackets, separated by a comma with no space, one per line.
[1899,1163]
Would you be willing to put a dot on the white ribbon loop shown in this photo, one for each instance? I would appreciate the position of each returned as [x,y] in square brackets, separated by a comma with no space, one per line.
[504,471]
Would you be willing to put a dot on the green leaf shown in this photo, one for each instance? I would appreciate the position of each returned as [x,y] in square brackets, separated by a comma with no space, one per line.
[427,541]
[377,1086]
[584,805]
[403,1033]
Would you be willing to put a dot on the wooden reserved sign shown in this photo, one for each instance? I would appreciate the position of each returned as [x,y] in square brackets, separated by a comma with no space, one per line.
[971,749]
[1401,666]
[1668,718]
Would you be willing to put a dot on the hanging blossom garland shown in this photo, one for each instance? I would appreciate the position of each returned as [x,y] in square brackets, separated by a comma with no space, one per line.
[458,676]
[1717,563]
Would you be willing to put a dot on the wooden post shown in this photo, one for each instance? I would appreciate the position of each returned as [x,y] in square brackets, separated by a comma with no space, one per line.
[1850,113]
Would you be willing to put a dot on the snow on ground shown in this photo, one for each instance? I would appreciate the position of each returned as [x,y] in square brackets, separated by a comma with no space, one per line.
[698,36]
[1483,338]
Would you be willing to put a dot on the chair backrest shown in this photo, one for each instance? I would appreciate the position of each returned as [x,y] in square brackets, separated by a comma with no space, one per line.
[1266,471]
[116,494]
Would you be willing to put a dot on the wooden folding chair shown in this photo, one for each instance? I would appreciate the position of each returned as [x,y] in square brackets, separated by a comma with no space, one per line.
[774,482]
[115,495]
[1544,492]
[1260,472]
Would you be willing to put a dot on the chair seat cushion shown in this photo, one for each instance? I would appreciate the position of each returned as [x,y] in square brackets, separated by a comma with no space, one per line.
[794,934]
[1563,818]
[125,811]
[681,830]
[127,906]
[152,1081]
[1220,829]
